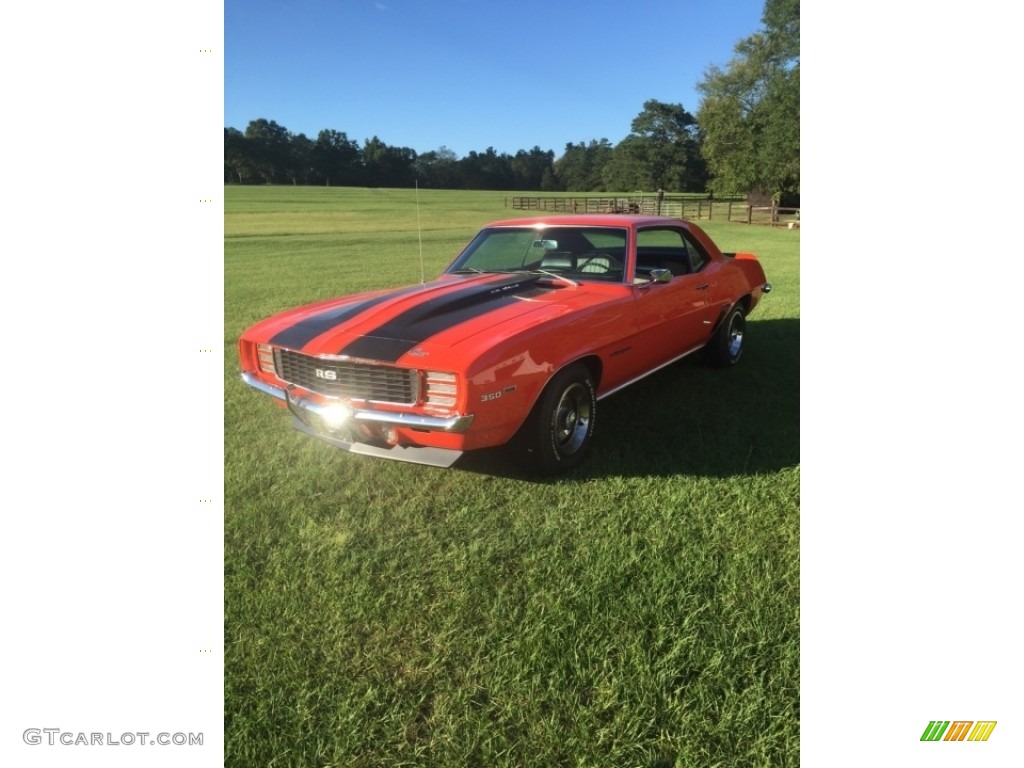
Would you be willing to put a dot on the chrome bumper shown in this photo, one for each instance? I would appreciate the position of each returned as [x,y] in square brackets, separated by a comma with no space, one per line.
[456,424]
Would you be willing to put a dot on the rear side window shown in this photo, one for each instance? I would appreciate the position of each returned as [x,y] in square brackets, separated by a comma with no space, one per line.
[697,255]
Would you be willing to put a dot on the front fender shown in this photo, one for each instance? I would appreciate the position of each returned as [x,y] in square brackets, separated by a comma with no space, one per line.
[502,395]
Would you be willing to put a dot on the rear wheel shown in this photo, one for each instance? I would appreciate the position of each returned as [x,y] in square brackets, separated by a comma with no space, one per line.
[726,346]
[558,432]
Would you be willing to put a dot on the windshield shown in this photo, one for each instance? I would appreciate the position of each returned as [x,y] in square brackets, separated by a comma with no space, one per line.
[581,253]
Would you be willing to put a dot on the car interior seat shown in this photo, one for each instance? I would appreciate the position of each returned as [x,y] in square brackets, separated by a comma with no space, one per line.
[601,264]
[556,260]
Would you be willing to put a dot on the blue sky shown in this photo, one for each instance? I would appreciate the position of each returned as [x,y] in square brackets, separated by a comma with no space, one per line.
[471,75]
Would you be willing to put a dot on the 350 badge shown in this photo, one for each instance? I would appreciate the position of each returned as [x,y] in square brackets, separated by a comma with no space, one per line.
[495,395]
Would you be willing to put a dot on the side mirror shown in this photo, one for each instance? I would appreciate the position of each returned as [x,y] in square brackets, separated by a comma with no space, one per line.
[661,276]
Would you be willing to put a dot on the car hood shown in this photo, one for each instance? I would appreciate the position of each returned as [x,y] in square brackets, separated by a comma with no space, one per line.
[387,325]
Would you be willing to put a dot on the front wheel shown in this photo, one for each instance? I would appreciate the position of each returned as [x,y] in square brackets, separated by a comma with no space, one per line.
[558,432]
[726,345]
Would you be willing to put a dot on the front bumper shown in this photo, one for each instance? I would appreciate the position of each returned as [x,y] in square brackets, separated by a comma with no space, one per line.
[301,404]
[320,420]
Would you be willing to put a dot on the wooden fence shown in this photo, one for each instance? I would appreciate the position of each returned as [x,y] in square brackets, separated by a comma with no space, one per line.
[676,207]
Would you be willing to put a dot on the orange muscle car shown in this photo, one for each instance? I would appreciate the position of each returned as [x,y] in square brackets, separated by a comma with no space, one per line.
[514,343]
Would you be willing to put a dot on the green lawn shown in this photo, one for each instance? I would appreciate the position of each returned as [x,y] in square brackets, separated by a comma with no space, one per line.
[642,610]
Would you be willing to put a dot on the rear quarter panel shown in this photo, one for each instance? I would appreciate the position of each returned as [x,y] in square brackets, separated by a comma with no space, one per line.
[750,279]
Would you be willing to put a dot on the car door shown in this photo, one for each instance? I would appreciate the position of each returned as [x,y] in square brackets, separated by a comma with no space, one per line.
[719,290]
[674,317]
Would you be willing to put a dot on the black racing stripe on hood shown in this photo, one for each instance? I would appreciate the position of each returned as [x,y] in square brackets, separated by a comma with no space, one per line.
[304,331]
[394,338]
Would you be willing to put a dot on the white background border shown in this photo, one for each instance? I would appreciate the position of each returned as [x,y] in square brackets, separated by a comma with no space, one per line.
[112,313]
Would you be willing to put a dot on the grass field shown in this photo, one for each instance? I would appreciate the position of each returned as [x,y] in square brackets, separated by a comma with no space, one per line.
[642,610]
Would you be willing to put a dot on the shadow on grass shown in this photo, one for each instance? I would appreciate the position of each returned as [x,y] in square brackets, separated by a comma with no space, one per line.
[689,419]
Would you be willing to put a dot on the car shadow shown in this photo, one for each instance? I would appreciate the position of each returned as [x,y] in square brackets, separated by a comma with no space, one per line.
[690,419]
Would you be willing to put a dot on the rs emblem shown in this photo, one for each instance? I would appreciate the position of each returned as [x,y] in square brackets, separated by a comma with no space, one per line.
[322,373]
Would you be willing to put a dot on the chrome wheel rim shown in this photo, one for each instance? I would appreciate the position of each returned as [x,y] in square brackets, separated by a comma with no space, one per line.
[572,419]
[736,337]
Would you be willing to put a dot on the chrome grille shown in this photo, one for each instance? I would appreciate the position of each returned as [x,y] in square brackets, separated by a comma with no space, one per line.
[342,378]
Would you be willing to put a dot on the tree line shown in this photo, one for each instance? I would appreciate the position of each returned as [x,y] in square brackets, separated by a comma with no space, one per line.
[744,138]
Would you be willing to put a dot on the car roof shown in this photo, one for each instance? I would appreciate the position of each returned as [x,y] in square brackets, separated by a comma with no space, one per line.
[590,219]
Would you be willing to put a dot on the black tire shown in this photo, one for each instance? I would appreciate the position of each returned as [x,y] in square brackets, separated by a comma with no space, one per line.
[726,345]
[557,434]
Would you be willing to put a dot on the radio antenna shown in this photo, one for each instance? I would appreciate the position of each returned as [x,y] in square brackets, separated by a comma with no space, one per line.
[419,232]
